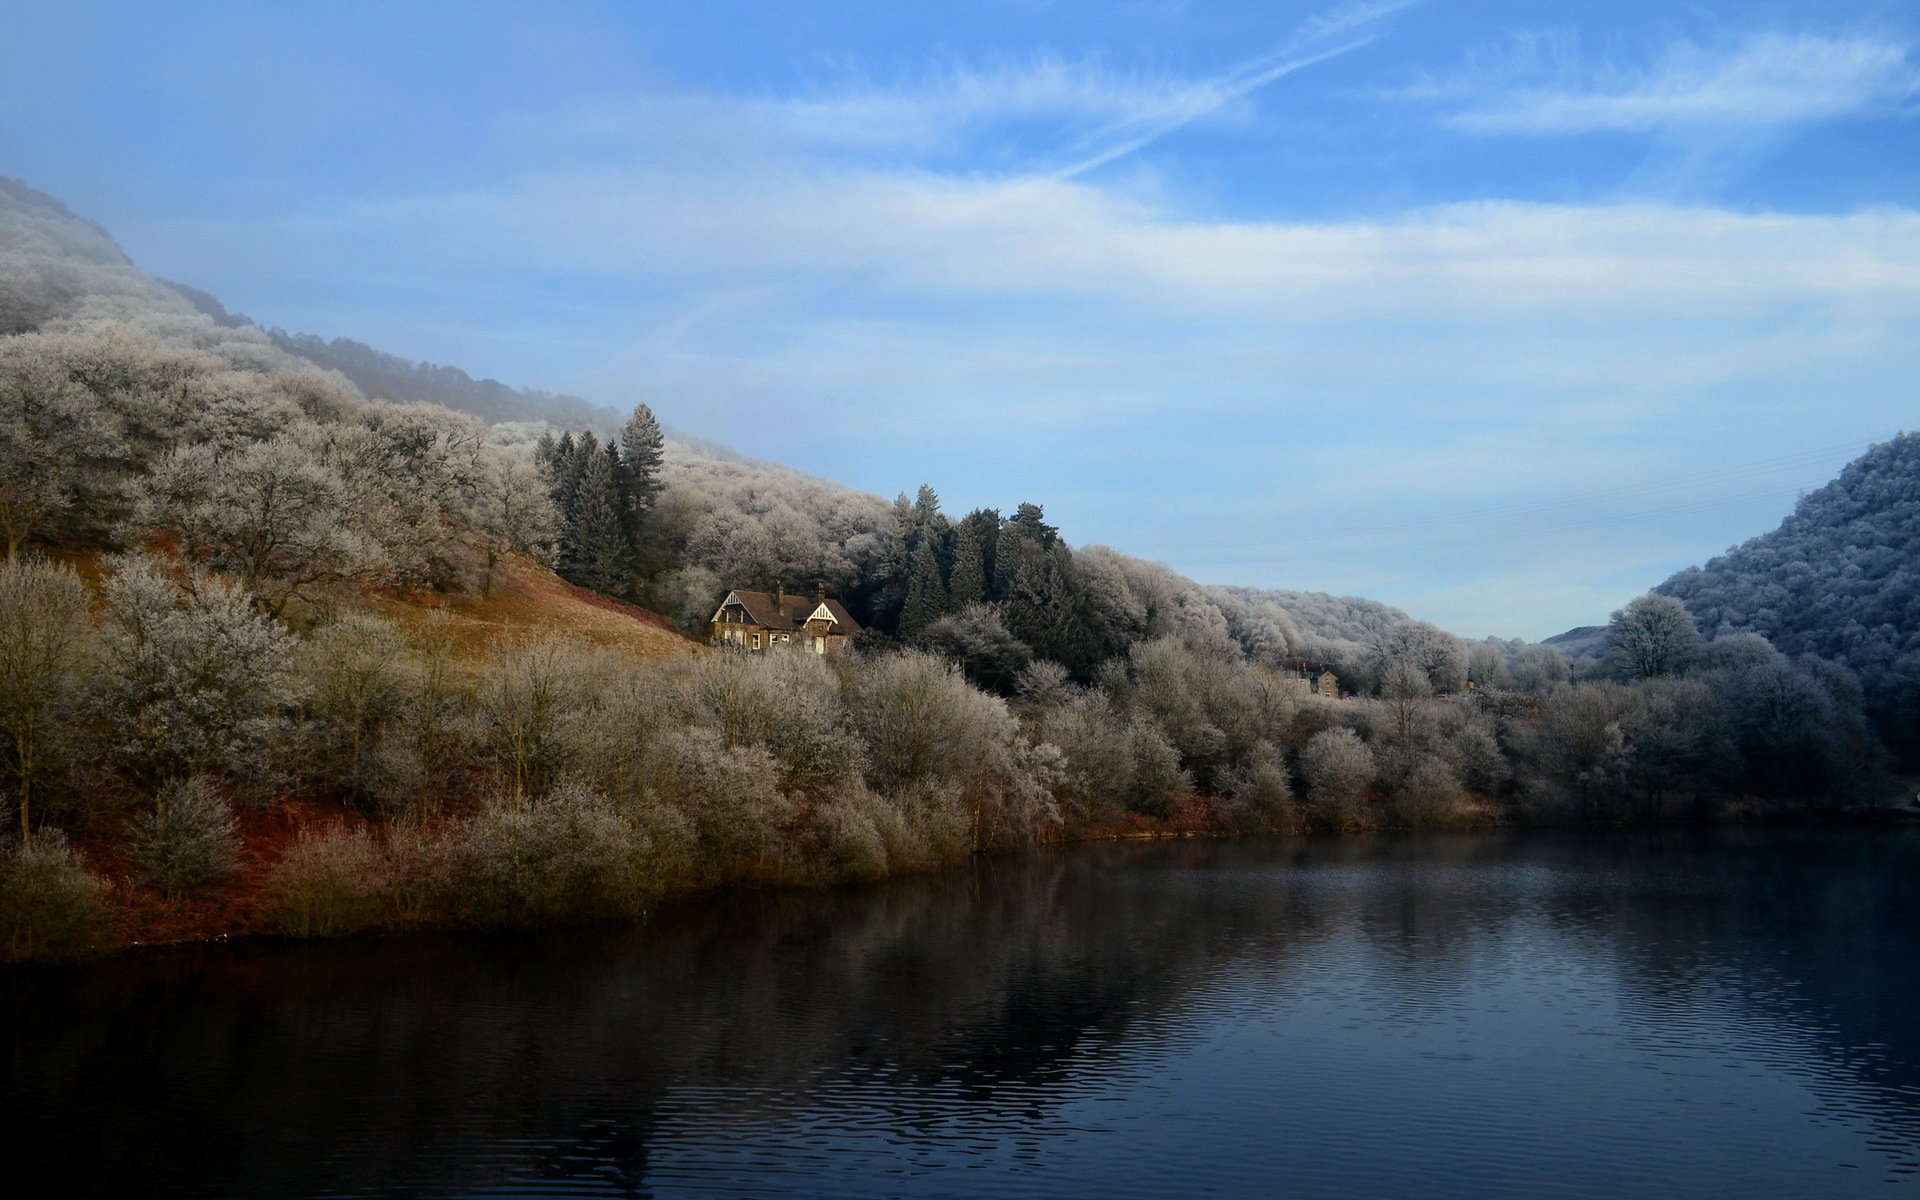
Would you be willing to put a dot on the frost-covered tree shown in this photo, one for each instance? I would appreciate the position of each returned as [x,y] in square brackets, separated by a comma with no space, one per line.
[513,513]
[355,669]
[1652,636]
[44,636]
[268,512]
[57,443]
[977,639]
[1338,768]
[194,680]
[1487,666]
[1442,656]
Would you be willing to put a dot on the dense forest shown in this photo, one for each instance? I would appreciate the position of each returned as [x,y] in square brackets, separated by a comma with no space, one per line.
[272,644]
[1839,579]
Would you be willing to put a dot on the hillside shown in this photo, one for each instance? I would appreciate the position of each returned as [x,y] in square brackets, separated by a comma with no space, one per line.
[721,518]
[1584,642]
[313,653]
[1840,578]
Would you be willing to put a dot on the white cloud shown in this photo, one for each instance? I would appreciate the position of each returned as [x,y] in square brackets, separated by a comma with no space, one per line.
[1540,86]
[1143,369]
[1043,112]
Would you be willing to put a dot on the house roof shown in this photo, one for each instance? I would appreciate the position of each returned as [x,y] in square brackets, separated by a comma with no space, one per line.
[790,612]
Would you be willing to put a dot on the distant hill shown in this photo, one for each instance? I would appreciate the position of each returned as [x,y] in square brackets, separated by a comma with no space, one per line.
[1840,578]
[1588,641]
[378,373]
[1319,615]
[55,265]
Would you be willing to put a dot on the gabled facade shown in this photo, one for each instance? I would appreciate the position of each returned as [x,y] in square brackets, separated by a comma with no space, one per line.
[1312,677]
[818,624]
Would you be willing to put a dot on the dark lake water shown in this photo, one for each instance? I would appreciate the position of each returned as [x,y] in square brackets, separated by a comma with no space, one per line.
[1669,1015]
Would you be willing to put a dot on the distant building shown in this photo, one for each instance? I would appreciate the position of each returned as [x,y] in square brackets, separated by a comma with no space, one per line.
[763,620]
[1312,677]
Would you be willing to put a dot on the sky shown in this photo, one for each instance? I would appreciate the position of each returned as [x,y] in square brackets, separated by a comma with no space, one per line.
[1500,311]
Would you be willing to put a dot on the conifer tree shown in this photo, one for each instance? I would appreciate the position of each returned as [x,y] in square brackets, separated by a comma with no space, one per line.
[641,452]
[598,554]
[562,468]
[970,570]
[926,595]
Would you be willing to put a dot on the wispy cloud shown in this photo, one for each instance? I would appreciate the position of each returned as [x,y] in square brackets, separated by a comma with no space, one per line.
[1041,113]
[1541,85]
[1324,36]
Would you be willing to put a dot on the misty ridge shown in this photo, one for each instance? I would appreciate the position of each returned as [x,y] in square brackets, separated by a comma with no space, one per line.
[258,581]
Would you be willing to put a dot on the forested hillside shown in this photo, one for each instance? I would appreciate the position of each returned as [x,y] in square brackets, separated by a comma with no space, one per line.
[280,650]
[1840,578]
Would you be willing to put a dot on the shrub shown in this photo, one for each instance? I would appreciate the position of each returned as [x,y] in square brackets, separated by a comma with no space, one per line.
[851,846]
[1159,783]
[51,906]
[528,862]
[188,841]
[195,680]
[731,797]
[329,883]
[1427,795]
[1338,767]
[1258,793]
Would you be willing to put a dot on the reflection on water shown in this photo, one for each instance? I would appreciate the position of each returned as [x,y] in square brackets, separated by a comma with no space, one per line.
[1725,1015]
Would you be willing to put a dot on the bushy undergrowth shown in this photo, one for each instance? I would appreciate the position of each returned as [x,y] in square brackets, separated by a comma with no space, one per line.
[51,906]
[188,840]
[330,882]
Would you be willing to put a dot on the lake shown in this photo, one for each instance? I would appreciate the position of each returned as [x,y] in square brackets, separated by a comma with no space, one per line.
[1686,1014]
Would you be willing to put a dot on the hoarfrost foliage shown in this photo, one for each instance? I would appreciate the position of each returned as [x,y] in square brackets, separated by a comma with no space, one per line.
[51,905]
[330,882]
[522,861]
[187,840]
[1338,768]
[45,651]
[194,679]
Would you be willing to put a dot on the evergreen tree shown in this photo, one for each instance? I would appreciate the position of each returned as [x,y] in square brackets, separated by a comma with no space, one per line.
[1029,520]
[598,553]
[1049,606]
[972,558]
[926,595]
[563,477]
[641,453]
[1026,528]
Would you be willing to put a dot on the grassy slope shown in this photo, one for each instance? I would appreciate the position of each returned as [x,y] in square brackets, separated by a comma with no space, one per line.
[525,598]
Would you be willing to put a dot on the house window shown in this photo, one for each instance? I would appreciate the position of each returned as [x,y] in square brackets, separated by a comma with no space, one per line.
[756,641]
[819,645]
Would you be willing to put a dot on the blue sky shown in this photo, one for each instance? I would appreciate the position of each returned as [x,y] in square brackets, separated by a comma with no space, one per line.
[1498,311]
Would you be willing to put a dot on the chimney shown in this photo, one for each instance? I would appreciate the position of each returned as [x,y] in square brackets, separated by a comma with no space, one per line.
[820,591]
[780,592]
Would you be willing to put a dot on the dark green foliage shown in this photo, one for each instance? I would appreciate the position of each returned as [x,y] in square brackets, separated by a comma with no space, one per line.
[977,639]
[926,597]
[602,554]
[973,558]
[642,450]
